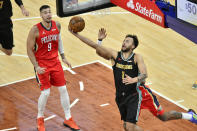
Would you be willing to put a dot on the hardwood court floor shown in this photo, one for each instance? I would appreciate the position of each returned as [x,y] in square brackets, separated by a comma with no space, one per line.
[18,104]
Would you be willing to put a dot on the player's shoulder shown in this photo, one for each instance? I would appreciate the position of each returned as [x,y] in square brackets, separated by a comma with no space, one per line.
[138,57]
[58,24]
[34,30]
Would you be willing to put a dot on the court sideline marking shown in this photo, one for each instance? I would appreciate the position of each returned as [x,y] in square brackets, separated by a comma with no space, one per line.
[9,129]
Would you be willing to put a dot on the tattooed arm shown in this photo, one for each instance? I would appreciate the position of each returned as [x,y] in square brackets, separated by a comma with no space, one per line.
[142,68]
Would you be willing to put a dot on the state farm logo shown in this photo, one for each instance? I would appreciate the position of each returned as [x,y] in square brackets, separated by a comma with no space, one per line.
[130,4]
[144,10]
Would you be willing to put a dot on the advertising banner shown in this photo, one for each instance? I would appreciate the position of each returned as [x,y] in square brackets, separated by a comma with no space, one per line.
[144,8]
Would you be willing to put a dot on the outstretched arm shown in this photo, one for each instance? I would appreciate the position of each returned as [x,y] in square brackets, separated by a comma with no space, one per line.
[102,51]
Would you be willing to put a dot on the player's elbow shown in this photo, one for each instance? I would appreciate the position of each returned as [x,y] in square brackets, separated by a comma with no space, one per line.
[146,75]
[9,52]
[30,51]
[102,54]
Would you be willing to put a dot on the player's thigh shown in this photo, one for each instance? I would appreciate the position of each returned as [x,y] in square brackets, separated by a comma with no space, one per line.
[57,76]
[123,110]
[6,38]
[133,109]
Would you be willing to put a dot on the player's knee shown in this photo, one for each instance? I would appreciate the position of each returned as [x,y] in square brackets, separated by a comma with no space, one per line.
[132,127]
[163,117]
[8,52]
[124,125]
[129,127]
[46,92]
[62,89]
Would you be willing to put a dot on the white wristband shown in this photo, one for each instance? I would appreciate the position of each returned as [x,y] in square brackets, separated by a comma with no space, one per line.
[99,42]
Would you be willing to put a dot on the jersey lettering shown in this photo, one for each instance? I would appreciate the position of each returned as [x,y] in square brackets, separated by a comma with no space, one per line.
[121,66]
[123,74]
[49,38]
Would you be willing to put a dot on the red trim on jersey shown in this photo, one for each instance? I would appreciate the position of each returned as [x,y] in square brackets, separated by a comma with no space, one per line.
[150,102]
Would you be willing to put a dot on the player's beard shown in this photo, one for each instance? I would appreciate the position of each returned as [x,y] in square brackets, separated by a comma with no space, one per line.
[126,49]
[48,20]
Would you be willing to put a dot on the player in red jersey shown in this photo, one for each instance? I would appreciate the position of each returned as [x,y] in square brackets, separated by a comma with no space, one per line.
[43,43]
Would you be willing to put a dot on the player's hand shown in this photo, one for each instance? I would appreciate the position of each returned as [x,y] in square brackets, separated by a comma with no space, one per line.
[102,34]
[40,70]
[67,63]
[129,80]
[24,11]
[69,29]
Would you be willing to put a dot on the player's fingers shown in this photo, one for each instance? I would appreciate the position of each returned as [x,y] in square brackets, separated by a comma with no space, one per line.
[43,71]
[126,76]
[43,68]
[40,72]
[69,65]
[69,29]
[104,30]
[124,80]
[27,13]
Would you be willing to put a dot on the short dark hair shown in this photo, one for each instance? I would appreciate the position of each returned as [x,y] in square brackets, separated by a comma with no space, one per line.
[44,7]
[135,39]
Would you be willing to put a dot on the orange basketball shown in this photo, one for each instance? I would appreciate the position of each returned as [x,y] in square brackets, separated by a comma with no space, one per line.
[77,24]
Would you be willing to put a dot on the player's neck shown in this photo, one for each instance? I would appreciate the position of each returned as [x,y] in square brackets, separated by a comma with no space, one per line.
[127,54]
[46,24]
